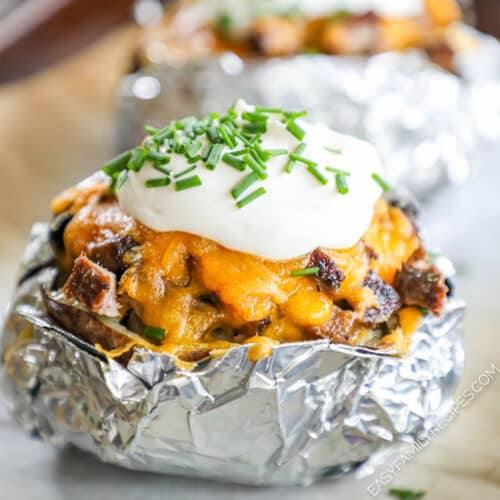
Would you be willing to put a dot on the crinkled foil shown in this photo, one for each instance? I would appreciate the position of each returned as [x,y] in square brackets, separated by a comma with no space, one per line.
[312,410]
[428,124]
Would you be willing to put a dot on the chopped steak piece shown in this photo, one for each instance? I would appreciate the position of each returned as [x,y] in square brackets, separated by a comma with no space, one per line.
[420,283]
[329,275]
[92,286]
[338,328]
[253,328]
[193,356]
[83,324]
[387,298]
[109,253]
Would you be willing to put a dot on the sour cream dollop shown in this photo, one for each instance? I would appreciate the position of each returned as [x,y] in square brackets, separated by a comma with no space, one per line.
[297,213]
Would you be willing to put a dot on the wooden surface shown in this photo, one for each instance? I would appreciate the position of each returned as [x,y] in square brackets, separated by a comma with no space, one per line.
[57,127]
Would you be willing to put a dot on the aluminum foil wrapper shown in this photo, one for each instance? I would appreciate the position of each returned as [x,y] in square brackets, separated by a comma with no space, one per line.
[428,124]
[312,410]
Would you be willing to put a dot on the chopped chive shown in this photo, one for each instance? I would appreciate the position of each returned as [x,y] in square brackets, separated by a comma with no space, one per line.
[188,183]
[385,187]
[150,129]
[303,160]
[317,174]
[295,130]
[122,178]
[262,109]
[227,135]
[338,171]
[275,152]
[224,22]
[158,182]
[154,333]
[304,272]
[240,152]
[156,157]
[184,172]
[298,151]
[189,124]
[200,128]
[294,114]
[243,185]
[335,151]
[255,166]
[180,143]
[162,169]
[137,159]
[404,494]
[213,135]
[117,164]
[234,162]
[206,152]
[242,138]
[214,156]
[261,153]
[341,182]
[254,128]
[193,149]
[254,117]
[251,197]
[165,133]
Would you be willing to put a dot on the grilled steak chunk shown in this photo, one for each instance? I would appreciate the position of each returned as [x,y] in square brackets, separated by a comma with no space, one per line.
[329,275]
[420,283]
[83,324]
[387,298]
[109,253]
[93,287]
[338,328]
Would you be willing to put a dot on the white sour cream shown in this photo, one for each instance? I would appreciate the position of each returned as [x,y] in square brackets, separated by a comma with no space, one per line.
[296,215]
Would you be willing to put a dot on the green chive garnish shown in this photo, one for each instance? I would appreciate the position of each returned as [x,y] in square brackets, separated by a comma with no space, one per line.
[159,182]
[261,109]
[184,172]
[193,149]
[117,164]
[403,494]
[188,183]
[303,160]
[137,159]
[213,135]
[254,128]
[254,117]
[251,197]
[304,272]
[154,333]
[224,22]
[158,158]
[298,151]
[341,182]
[240,152]
[316,173]
[335,151]
[385,187]
[234,162]
[275,152]
[243,185]
[255,166]
[338,171]
[214,156]
[122,178]
[162,169]
[294,114]
[150,129]
[165,133]
[227,135]
[295,130]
